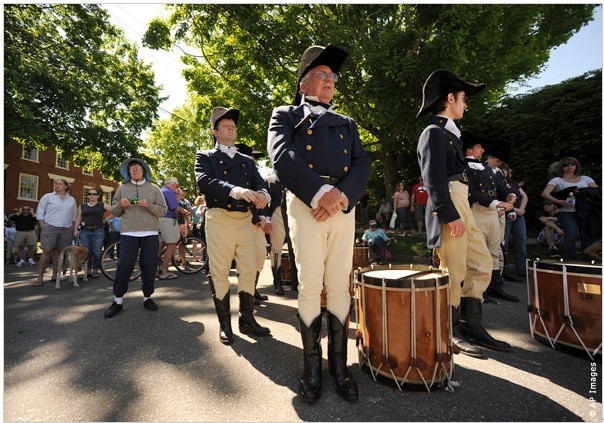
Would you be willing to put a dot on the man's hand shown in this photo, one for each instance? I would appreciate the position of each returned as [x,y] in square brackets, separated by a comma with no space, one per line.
[261,200]
[457,227]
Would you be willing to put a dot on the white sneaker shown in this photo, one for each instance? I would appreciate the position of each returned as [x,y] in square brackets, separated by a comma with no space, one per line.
[32,262]
[21,263]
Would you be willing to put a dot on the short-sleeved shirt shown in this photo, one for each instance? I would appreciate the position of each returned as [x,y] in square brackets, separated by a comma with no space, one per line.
[561,184]
[171,202]
[421,194]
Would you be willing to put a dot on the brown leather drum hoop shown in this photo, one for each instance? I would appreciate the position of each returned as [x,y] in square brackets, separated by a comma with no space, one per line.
[404,325]
[565,304]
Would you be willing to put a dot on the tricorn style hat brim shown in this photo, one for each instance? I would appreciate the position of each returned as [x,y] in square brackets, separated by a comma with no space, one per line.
[124,169]
[332,56]
[441,83]
[220,113]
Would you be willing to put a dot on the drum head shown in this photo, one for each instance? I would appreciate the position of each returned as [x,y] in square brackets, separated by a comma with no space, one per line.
[404,277]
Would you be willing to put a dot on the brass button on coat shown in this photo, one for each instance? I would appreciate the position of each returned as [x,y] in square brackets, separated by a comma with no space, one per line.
[310,165]
[309,132]
[309,147]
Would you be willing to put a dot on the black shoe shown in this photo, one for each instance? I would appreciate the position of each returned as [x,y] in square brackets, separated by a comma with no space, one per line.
[258,296]
[498,292]
[553,252]
[247,323]
[470,327]
[113,309]
[150,305]
[466,348]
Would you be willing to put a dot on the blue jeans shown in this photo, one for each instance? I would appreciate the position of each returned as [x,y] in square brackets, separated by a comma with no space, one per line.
[517,229]
[93,241]
[568,223]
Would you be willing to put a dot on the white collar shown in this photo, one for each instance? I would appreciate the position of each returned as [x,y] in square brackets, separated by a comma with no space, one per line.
[451,127]
[139,182]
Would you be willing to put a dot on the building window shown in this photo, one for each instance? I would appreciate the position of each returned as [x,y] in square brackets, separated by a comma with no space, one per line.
[87,170]
[28,187]
[30,154]
[62,162]
[106,198]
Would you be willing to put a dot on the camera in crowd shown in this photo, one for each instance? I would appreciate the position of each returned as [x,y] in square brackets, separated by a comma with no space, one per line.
[134,200]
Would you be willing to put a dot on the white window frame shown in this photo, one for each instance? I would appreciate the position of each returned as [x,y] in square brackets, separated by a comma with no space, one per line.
[37,154]
[36,181]
[57,164]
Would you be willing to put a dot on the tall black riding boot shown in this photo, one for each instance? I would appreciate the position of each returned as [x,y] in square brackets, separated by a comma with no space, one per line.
[277,281]
[258,296]
[223,310]
[247,323]
[464,346]
[310,384]
[471,328]
[495,288]
[337,353]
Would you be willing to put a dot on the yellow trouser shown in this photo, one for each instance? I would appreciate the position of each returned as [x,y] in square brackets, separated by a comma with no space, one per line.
[466,258]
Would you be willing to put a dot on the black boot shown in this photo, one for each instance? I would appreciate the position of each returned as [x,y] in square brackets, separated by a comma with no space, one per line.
[277,281]
[458,341]
[337,353]
[258,296]
[495,288]
[506,275]
[310,384]
[471,328]
[223,310]
[247,323]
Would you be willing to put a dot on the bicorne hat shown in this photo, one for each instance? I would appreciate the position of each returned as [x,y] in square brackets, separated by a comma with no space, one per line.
[332,56]
[126,163]
[220,113]
[247,150]
[470,139]
[499,149]
[442,82]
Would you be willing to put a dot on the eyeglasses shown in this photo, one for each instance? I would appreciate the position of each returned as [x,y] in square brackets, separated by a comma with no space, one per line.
[324,75]
[26,209]
[93,193]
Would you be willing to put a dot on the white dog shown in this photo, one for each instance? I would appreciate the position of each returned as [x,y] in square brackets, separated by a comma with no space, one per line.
[73,258]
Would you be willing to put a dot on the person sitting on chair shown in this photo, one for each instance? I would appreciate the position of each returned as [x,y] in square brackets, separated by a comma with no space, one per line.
[376,239]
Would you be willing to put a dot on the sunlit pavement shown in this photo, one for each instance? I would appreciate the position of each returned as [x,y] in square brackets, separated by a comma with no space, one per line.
[63,361]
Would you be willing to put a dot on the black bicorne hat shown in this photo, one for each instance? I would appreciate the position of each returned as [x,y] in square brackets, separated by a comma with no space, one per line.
[332,56]
[220,113]
[499,149]
[441,83]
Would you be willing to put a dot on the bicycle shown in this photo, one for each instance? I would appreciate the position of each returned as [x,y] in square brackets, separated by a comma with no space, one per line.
[189,257]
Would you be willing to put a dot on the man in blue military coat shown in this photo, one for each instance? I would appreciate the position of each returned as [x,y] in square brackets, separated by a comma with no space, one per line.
[450,226]
[318,156]
[232,186]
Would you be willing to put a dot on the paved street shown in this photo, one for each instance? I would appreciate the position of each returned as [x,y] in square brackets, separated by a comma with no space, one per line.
[63,361]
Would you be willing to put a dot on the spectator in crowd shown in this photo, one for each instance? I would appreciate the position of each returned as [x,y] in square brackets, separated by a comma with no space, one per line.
[364,208]
[169,229]
[198,222]
[139,203]
[552,234]
[561,191]
[56,215]
[515,225]
[113,231]
[90,229]
[9,241]
[26,239]
[377,240]
[384,213]
[402,205]
[419,199]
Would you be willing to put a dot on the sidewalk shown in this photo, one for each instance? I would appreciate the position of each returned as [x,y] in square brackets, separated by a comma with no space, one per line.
[63,361]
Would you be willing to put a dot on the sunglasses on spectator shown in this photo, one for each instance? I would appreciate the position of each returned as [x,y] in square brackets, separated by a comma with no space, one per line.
[93,193]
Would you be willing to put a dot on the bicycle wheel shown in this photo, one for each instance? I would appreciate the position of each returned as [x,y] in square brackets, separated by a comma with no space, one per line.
[110,257]
[190,255]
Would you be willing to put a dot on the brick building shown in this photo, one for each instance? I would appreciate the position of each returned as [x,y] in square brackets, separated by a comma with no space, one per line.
[29,174]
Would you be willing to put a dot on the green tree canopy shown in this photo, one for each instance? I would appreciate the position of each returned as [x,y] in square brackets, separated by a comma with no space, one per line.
[250,53]
[72,81]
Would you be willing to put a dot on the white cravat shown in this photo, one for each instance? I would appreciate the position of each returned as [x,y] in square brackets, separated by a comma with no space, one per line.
[229,151]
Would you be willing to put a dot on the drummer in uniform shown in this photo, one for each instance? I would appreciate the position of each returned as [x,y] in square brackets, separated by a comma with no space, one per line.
[318,156]
[489,200]
[232,186]
[450,226]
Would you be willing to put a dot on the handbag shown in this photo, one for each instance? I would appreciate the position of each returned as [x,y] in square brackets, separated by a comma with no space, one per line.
[393,220]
